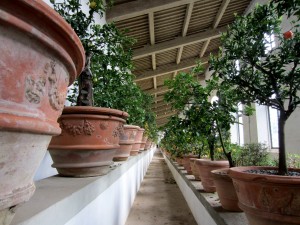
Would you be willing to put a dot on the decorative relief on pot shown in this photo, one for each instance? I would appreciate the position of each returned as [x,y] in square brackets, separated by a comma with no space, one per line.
[103,125]
[123,136]
[34,89]
[279,201]
[87,128]
[106,141]
[117,131]
[56,98]
[132,135]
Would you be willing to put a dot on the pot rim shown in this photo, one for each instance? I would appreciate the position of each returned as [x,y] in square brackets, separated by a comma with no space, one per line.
[28,14]
[238,173]
[94,110]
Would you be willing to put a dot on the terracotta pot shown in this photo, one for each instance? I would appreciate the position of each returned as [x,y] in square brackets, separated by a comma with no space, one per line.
[186,163]
[225,190]
[89,139]
[179,160]
[205,166]
[126,142]
[143,144]
[267,199]
[36,66]
[194,168]
[148,144]
[138,141]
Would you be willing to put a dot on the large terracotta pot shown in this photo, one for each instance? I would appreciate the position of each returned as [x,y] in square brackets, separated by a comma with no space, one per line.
[89,139]
[138,141]
[126,142]
[194,168]
[267,199]
[225,190]
[205,166]
[40,56]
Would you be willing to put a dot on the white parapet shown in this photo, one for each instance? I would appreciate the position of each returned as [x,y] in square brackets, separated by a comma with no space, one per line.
[89,201]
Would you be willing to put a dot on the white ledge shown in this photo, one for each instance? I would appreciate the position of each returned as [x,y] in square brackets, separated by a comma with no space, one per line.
[90,201]
[206,207]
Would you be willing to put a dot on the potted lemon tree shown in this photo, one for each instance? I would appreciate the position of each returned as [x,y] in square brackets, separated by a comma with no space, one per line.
[268,77]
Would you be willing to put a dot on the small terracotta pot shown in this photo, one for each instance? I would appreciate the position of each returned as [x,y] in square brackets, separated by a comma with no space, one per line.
[148,144]
[267,199]
[40,56]
[126,143]
[205,167]
[179,160]
[225,190]
[138,141]
[143,143]
[89,139]
[194,168]
[186,163]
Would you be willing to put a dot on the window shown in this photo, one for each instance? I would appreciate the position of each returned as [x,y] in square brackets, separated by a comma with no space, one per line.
[273,127]
[240,125]
[272,113]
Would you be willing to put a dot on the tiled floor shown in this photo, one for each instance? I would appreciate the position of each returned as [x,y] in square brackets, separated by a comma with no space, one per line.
[159,200]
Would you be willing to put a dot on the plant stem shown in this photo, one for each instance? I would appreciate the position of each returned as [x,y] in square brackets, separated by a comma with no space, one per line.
[85,83]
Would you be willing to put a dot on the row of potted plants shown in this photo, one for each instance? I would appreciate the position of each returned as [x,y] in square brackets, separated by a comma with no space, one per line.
[43,52]
[105,97]
[267,195]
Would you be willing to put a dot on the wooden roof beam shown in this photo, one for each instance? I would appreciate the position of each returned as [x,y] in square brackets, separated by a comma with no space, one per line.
[141,7]
[188,14]
[160,105]
[161,89]
[166,115]
[216,22]
[178,42]
[169,68]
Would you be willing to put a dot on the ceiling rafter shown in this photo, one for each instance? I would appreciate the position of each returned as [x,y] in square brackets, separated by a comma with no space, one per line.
[166,115]
[169,68]
[180,41]
[188,14]
[216,22]
[162,109]
[161,89]
[159,105]
[141,7]
[159,98]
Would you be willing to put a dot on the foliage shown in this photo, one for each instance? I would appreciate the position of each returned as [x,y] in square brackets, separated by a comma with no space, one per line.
[179,140]
[266,76]
[255,154]
[107,81]
[208,121]
[293,161]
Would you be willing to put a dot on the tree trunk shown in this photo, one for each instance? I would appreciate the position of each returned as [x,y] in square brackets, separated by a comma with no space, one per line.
[85,83]
[282,169]
[227,154]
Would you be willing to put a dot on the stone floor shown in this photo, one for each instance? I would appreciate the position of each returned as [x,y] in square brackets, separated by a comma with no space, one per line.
[159,200]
